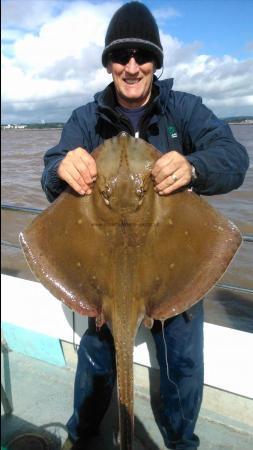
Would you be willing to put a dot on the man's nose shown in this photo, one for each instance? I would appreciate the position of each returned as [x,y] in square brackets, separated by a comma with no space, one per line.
[132,66]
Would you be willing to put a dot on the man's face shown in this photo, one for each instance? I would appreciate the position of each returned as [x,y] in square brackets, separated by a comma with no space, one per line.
[132,75]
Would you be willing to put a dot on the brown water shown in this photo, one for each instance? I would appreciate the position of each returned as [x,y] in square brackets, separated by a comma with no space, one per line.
[22,165]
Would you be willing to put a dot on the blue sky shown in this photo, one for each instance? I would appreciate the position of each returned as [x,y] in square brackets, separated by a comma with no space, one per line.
[51,54]
[222,26]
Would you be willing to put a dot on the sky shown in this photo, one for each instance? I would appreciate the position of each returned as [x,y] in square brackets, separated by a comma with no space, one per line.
[51,54]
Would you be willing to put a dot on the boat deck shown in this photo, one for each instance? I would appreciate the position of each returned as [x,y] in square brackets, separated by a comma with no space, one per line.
[42,402]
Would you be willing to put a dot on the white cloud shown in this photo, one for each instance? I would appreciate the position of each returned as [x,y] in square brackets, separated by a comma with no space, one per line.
[28,14]
[224,83]
[48,71]
[62,60]
[76,29]
[162,14]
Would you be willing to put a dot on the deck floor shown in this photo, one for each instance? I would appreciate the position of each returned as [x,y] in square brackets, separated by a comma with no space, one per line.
[42,402]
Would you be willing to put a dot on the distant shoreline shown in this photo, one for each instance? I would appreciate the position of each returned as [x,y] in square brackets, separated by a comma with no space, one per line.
[3,127]
[59,126]
[240,123]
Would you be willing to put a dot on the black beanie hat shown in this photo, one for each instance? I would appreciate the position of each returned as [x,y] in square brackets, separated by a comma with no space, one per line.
[133,26]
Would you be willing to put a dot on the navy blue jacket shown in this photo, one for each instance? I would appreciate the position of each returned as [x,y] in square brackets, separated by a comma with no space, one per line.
[173,121]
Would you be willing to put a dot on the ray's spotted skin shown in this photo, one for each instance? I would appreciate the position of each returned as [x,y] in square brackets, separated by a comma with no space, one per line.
[125,253]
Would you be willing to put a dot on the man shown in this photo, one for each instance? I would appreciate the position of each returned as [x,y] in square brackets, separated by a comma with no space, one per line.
[199,151]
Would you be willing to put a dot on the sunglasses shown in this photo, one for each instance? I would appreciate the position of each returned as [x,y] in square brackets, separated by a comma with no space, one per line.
[123,56]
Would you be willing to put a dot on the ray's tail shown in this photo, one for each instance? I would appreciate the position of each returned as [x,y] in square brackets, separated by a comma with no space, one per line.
[125,395]
[124,332]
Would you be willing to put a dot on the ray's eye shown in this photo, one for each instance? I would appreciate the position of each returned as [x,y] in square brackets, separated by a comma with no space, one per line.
[106,193]
[139,188]
[105,197]
[140,192]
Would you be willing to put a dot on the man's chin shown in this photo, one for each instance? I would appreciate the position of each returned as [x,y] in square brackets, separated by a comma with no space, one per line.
[134,101]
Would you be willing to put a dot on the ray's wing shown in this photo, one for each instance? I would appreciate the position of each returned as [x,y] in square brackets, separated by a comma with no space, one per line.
[66,247]
[187,249]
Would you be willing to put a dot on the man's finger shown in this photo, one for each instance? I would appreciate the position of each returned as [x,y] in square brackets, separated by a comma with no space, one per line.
[90,163]
[167,159]
[81,166]
[74,184]
[76,166]
[160,164]
[73,177]
[169,181]
[174,186]
[165,172]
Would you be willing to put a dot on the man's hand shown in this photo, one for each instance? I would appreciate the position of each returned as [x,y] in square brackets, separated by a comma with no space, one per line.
[171,172]
[78,169]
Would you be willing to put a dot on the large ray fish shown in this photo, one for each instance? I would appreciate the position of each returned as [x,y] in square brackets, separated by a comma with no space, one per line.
[124,253]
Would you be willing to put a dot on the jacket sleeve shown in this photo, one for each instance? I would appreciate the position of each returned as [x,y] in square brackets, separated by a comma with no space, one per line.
[74,134]
[220,161]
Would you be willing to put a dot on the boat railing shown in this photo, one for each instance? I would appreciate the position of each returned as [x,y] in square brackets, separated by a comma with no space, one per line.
[24,209]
